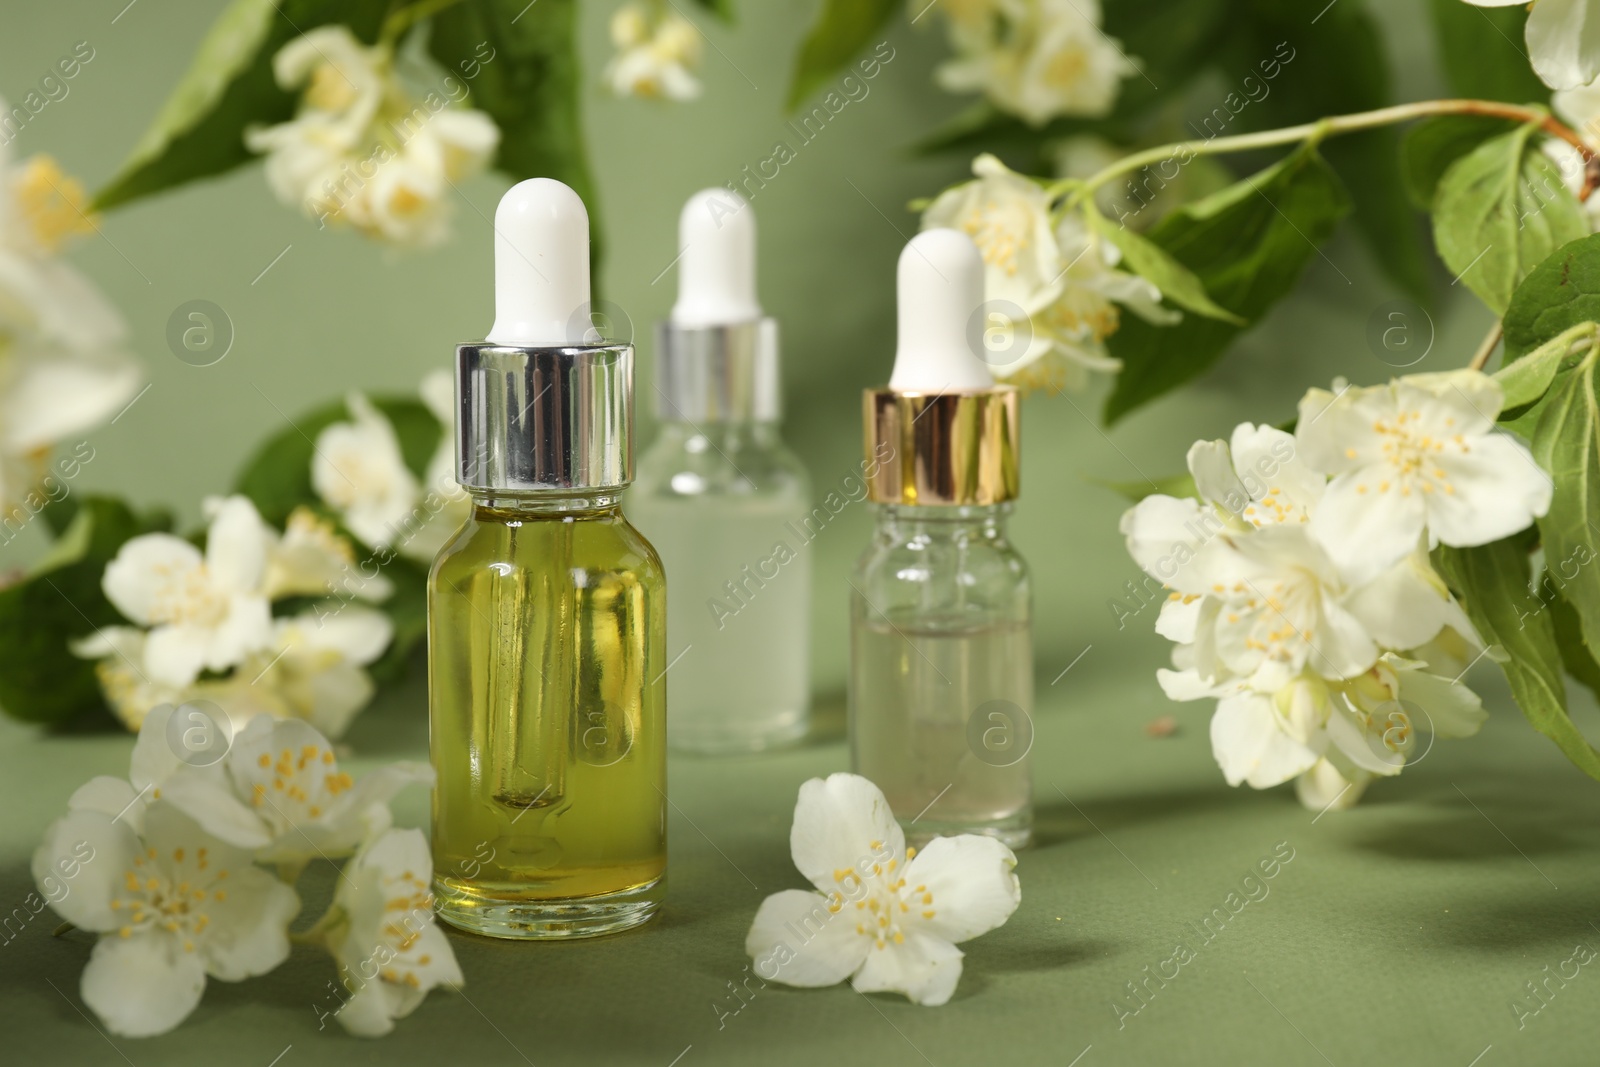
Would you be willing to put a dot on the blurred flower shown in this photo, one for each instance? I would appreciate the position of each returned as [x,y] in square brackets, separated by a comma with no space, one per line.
[172,905]
[312,559]
[64,362]
[658,51]
[313,669]
[1562,42]
[361,151]
[1580,109]
[390,951]
[1417,457]
[205,612]
[1036,59]
[211,612]
[359,471]
[1326,788]
[888,924]
[119,655]
[1059,275]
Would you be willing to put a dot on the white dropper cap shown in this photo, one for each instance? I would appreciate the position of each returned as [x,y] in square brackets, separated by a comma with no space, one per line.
[940,281]
[717,268]
[541,266]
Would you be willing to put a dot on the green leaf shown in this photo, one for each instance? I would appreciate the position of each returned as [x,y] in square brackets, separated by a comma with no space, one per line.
[529,81]
[59,600]
[842,28]
[1431,146]
[1566,442]
[1575,654]
[277,478]
[1484,53]
[723,9]
[1148,260]
[1247,244]
[1558,294]
[1178,485]
[1499,211]
[199,131]
[58,514]
[1492,582]
[1528,379]
[1337,66]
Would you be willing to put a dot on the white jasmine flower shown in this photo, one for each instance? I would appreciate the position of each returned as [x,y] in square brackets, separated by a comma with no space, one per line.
[172,907]
[177,759]
[361,151]
[359,471]
[390,951]
[284,795]
[406,201]
[1417,456]
[658,51]
[119,655]
[1365,725]
[1255,481]
[1036,59]
[888,924]
[206,612]
[64,361]
[313,669]
[1327,788]
[312,559]
[1266,739]
[1060,276]
[1563,38]
[1070,334]
[1303,661]
[1007,215]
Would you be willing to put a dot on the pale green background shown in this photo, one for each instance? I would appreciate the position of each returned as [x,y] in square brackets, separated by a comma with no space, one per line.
[1399,933]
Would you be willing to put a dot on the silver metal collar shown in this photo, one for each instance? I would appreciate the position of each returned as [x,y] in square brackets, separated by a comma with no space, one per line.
[544,419]
[718,373]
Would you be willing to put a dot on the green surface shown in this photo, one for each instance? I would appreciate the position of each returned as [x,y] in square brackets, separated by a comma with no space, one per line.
[1400,932]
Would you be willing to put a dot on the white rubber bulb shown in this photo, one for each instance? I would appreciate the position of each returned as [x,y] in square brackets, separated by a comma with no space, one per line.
[541,266]
[940,280]
[717,268]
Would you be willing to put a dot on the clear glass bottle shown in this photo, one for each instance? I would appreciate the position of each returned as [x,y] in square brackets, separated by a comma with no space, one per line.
[724,501]
[941,681]
[546,614]
[941,660]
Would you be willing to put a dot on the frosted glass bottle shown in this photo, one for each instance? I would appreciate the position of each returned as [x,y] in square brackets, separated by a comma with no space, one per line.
[724,502]
[941,678]
[725,505]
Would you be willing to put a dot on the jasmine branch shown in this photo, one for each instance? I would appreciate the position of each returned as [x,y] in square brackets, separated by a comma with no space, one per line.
[1314,132]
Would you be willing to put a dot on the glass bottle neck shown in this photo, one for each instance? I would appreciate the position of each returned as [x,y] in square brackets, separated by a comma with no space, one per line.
[591,503]
[724,435]
[947,521]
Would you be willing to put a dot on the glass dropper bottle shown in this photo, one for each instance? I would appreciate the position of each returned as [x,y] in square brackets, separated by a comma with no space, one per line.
[724,500]
[546,614]
[941,660]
